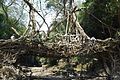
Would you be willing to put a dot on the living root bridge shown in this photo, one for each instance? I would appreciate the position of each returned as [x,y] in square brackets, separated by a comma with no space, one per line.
[11,50]
[18,48]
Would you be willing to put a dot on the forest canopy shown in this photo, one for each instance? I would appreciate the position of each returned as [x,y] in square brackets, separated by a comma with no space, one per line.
[99,19]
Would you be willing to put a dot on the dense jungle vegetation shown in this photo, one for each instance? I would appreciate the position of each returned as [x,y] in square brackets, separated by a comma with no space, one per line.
[39,22]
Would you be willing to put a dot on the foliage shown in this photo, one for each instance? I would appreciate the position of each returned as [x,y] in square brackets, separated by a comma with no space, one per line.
[51,3]
[5,27]
[100,18]
[7,22]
